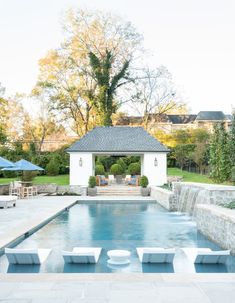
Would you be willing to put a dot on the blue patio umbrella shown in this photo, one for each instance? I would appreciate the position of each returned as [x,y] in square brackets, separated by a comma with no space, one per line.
[6,163]
[23,165]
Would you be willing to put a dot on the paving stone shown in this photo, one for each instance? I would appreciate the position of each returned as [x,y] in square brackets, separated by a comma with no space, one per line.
[15,301]
[96,290]
[64,285]
[182,294]
[6,288]
[133,296]
[40,300]
[39,285]
[132,286]
[219,292]
[89,300]
[47,294]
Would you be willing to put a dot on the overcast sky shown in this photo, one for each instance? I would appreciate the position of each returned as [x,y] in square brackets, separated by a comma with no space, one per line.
[195,39]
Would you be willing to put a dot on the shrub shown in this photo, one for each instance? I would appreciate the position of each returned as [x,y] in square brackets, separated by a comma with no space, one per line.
[52,168]
[116,169]
[92,182]
[122,164]
[99,169]
[9,174]
[144,181]
[230,205]
[233,175]
[134,169]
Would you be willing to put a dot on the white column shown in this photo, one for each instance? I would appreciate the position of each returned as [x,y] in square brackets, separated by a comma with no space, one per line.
[157,175]
[81,168]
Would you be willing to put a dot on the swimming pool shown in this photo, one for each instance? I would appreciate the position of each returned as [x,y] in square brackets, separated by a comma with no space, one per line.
[117,226]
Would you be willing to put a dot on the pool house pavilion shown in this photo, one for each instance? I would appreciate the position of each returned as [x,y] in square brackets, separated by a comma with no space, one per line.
[118,141]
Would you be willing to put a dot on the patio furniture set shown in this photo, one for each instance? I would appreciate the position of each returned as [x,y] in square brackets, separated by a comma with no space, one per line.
[101,180]
[22,189]
[90,255]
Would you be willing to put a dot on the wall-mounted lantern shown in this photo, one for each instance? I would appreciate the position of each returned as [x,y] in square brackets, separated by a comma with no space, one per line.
[80,162]
[155,162]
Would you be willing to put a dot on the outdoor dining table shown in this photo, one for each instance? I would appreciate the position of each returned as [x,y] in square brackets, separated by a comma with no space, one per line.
[26,183]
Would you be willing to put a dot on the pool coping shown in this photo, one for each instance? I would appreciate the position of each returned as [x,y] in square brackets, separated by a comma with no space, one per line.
[130,277]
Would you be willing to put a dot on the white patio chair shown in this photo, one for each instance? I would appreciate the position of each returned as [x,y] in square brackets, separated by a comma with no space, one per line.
[27,256]
[35,190]
[82,255]
[155,254]
[111,179]
[206,255]
[15,189]
[127,179]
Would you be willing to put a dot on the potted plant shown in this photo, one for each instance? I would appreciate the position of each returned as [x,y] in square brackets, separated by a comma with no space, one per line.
[117,171]
[145,190]
[92,190]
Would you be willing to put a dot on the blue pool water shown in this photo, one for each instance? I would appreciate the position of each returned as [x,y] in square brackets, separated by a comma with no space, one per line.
[118,226]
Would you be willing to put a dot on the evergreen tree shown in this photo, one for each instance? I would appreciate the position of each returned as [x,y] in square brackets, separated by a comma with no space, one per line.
[220,161]
[232,142]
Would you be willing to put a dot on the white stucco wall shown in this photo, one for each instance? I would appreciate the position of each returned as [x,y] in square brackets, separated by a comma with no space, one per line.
[79,175]
[157,175]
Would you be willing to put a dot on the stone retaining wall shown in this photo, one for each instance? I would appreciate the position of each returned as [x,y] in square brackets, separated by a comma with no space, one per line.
[191,194]
[60,189]
[217,223]
[164,197]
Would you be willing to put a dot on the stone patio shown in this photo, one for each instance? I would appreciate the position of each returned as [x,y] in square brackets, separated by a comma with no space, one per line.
[116,288]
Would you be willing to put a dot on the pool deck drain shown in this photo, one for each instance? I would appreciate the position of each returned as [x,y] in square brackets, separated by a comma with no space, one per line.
[116,288]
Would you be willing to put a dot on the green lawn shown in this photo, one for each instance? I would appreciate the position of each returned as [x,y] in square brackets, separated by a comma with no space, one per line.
[188,177]
[59,180]
[64,179]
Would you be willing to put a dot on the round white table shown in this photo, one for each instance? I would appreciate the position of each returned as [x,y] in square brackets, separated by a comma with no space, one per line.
[118,256]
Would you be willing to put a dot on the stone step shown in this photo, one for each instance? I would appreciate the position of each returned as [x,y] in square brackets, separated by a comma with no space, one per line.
[120,190]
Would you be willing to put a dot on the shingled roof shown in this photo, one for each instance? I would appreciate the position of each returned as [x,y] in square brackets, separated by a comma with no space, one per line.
[211,115]
[117,139]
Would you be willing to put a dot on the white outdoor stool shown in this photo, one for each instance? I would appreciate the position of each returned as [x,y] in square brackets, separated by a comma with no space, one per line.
[118,256]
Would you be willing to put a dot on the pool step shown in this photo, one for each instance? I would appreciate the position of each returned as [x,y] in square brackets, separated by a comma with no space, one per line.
[120,190]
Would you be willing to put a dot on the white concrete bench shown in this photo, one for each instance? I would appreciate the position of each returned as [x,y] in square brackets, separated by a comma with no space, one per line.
[8,201]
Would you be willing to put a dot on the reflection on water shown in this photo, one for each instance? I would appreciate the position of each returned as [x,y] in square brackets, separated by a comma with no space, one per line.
[118,226]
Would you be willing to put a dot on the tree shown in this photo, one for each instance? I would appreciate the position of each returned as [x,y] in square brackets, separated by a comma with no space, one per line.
[183,154]
[155,95]
[75,75]
[232,141]
[3,113]
[37,129]
[11,113]
[199,155]
[107,85]
[220,161]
